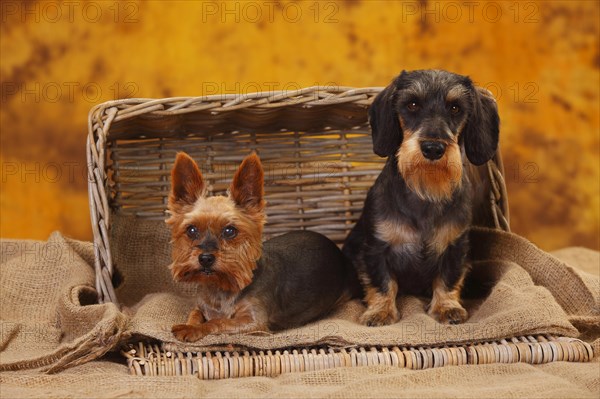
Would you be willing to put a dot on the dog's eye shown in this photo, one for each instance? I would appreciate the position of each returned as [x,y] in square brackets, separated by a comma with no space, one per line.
[454,109]
[192,232]
[229,232]
[412,106]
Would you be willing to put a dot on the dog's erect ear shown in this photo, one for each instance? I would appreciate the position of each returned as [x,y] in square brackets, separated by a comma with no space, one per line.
[187,184]
[385,126]
[247,187]
[481,132]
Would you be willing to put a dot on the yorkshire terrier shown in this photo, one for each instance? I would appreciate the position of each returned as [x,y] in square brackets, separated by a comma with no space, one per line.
[412,235]
[246,285]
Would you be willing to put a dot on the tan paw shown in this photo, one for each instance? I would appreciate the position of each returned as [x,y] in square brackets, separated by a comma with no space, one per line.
[187,333]
[379,317]
[451,314]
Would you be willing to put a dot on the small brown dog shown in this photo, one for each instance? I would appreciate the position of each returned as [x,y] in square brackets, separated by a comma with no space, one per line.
[246,285]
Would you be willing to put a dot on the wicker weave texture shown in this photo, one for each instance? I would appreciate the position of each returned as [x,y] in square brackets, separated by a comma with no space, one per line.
[310,181]
[314,143]
[150,360]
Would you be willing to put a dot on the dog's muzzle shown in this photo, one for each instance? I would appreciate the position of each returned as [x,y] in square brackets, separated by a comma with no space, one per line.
[433,150]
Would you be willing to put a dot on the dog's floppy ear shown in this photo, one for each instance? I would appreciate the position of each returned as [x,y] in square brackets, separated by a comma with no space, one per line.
[385,127]
[482,129]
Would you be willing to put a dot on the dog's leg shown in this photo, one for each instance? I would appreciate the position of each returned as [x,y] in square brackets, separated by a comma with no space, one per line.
[381,303]
[247,318]
[445,304]
[447,285]
[196,317]
[391,244]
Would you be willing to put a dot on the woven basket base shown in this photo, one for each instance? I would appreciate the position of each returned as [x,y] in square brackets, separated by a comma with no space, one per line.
[150,360]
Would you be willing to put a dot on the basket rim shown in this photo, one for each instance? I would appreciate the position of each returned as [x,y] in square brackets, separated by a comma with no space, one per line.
[333,95]
[258,110]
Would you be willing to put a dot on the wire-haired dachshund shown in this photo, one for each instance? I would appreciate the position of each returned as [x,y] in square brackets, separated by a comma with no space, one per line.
[412,235]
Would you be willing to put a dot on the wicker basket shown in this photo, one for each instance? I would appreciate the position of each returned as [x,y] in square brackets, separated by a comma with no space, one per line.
[314,143]
[146,359]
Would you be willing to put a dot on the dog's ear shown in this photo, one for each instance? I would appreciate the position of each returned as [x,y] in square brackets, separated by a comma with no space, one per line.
[187,184]
[481,132]
[247,187]
[385,126]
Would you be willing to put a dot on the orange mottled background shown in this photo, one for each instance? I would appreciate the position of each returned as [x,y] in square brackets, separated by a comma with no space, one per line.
[541,60]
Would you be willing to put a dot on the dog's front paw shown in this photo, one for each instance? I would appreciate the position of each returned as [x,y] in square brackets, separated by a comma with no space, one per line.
[379,317]
[187,333]
[452,313]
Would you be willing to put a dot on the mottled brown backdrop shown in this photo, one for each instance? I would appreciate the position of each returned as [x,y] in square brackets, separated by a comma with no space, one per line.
[540,59]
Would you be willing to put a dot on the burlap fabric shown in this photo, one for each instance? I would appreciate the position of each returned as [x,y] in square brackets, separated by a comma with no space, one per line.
[509,294]
[105,379]
[49,322]
[47,313]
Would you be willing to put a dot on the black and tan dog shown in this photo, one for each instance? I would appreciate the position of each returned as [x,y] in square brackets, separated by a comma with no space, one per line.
[246,285]
[412,235]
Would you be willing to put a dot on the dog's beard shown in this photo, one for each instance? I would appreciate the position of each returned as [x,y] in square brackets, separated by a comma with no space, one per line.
[433,181]
[225,277]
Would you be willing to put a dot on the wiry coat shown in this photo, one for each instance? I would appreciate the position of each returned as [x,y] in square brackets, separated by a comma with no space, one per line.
[412,235]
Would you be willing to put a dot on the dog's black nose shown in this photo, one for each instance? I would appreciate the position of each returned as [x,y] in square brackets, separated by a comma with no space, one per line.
[206,260]
[433,149]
